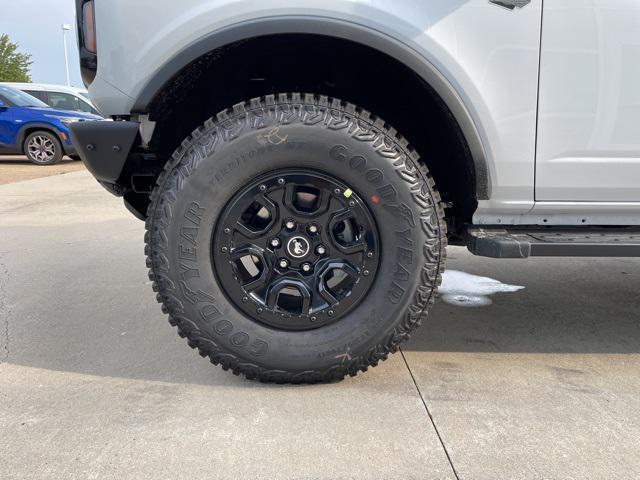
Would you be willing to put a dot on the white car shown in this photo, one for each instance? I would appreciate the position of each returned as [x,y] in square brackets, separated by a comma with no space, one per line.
[301,165]
[59,97]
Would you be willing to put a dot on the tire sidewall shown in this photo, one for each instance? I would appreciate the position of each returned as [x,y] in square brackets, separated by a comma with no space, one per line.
[208,173]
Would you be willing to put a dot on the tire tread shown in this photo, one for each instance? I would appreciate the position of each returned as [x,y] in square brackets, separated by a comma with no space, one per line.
[155,250]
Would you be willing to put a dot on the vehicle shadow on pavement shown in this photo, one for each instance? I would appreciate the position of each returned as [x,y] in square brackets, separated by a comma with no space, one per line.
[566,306]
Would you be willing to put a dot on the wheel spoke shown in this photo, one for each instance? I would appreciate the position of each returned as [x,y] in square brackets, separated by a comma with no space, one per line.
[345,232]
[258,218]
[305,200]
[290,296]
[332,275]
[252,266]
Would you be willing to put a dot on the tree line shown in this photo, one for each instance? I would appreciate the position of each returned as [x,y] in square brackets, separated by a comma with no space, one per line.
[14,65]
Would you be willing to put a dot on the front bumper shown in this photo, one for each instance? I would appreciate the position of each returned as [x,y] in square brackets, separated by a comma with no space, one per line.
[69,149]
[104,146]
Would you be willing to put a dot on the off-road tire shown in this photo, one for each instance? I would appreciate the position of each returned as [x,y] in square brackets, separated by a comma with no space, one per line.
[293,130]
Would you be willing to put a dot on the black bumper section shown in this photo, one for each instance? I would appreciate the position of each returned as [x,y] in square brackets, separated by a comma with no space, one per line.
[104,146]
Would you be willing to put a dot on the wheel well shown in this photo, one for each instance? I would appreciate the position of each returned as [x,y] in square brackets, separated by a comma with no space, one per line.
[29,130]
[339,68]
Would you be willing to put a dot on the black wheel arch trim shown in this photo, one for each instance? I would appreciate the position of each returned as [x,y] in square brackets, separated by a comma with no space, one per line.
[340,29]
[22,133]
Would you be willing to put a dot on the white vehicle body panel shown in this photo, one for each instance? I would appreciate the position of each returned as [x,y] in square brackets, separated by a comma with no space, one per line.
[589,111]
[588,145]
[488,54]
[45,87]
[570,213]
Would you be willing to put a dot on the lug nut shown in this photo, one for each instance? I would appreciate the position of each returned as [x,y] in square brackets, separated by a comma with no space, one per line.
[369,254]
[306,267]
[281,181]
[313,228]
[263,188]
[283,263]
[365,273]
[320,250]
[275,243]
[290,224]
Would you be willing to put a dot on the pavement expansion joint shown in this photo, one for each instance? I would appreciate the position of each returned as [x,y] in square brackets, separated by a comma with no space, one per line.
[433,423]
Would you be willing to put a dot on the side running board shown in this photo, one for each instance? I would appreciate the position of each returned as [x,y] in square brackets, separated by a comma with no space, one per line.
[524,242]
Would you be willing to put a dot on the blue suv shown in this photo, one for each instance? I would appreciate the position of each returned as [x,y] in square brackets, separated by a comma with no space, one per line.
[28,126]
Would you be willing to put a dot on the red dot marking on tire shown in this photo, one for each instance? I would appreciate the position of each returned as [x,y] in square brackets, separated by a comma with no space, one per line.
[375,199]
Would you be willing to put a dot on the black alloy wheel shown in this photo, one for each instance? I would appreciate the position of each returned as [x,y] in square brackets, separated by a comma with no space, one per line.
[296,249]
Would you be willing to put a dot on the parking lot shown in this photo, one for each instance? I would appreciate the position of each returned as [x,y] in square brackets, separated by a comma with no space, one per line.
[16,168]
[538,382]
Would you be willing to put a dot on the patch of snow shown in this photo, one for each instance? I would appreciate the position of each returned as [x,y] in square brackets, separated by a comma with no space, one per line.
[466,290]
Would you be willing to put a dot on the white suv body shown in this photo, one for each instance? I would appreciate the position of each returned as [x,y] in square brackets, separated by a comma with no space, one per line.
[548,102]
[60,97]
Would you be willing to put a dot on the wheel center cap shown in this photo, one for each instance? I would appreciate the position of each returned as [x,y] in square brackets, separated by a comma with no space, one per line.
[298,247]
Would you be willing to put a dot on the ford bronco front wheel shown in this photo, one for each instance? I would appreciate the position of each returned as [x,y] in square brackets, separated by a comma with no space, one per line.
[295,239]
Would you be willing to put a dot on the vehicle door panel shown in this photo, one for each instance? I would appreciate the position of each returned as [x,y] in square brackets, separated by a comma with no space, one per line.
[588,142]
[7,127]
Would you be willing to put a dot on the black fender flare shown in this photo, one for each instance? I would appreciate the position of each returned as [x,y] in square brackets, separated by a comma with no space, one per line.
[22,133]
[339,29]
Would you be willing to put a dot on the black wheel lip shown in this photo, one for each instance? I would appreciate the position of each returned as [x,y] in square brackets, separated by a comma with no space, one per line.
[291,322]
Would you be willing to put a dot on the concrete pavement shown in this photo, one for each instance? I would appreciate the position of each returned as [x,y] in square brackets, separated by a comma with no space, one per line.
[15,168]
[542,383]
